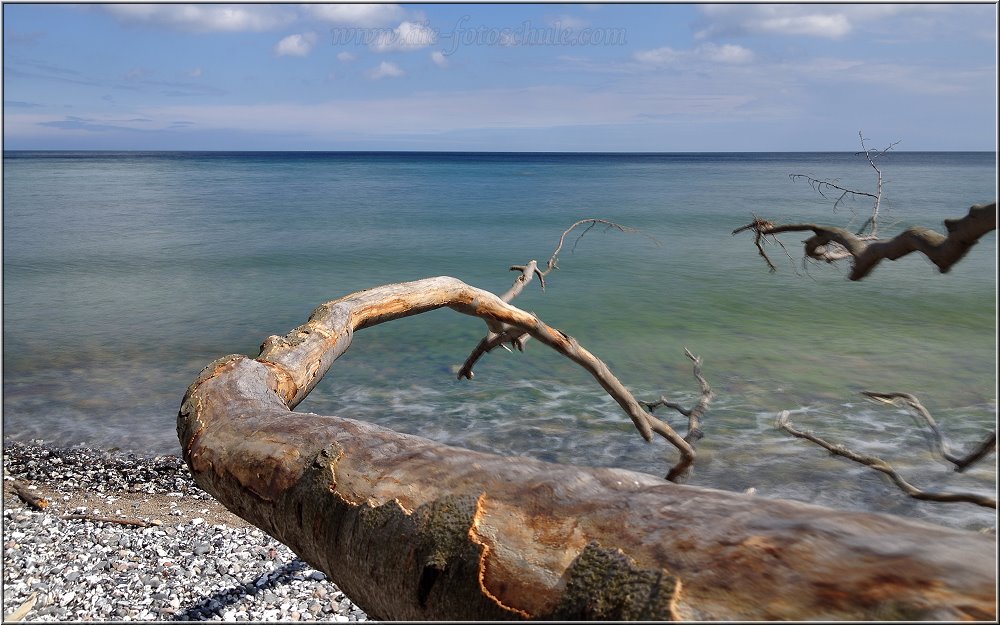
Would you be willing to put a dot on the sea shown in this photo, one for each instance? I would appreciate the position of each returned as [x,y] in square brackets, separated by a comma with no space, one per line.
[126,273]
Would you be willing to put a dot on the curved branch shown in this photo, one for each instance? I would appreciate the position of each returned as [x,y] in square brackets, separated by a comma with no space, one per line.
[591,222]
[785,423]
[414,530]
[940,445]
[328,334]
[943,250]
[505,334]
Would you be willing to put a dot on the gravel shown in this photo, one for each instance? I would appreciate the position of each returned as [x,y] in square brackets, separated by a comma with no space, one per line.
[194,562]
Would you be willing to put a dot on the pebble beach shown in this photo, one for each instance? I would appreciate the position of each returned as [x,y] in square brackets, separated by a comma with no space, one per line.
[119,537]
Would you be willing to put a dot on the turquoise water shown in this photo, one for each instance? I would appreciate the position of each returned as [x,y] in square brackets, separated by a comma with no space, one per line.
[126,273]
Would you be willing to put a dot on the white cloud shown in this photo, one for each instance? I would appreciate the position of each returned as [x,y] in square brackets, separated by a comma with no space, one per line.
[809,20]
[568,22]
[196,73]
[728,53]
[439,58]
[831,26]
[658,56]
[406,36]
[203,18]
[385,69]
[346,57]
[710,52]
[360,15]
[296,45]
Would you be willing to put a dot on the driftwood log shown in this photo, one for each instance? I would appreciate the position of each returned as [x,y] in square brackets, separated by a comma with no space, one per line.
[412,529]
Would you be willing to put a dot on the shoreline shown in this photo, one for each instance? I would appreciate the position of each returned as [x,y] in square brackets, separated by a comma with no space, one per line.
[125,537]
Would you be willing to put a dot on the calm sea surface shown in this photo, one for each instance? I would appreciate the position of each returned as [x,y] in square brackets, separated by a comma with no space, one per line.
[126,273]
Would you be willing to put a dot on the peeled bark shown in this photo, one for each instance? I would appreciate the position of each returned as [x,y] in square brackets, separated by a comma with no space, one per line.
[412,529]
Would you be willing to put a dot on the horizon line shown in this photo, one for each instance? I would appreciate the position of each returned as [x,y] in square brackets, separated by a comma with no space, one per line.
[622,152]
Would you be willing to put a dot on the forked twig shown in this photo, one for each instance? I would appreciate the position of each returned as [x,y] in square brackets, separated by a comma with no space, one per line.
[502,335]
[694,414]
[108,519]
[759,227]
[784,423]
[819,185]
[940,444]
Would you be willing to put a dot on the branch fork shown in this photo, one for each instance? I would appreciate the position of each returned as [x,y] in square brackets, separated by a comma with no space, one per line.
[940,445]
[502,335]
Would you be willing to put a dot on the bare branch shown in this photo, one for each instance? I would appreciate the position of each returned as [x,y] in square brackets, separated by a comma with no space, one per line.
[940,444]
[873,220]
[784,423]
[819,185]
[331,326]
[978,452]
[108,519]
[499,335]
[694,414]
[943,250]
[591,222]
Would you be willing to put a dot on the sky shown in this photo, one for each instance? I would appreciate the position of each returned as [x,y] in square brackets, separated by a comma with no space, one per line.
[499,77]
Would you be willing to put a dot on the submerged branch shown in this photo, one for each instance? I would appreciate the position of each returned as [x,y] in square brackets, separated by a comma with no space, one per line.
[694,414]
[784,423]
[940,444]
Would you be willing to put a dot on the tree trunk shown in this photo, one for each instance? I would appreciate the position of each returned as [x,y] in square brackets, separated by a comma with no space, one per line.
[411,529]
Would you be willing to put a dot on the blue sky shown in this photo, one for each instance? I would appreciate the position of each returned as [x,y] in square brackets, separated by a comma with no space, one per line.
[511,77]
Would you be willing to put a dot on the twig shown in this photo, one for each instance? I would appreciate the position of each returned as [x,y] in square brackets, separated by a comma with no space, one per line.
[591,222]
[107,519]
[819,185]
[694,414]
[34,501]
[940,444]
[22,611]
[873,220]
[41,504]
[501,334]
[784,423]
[759,226]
